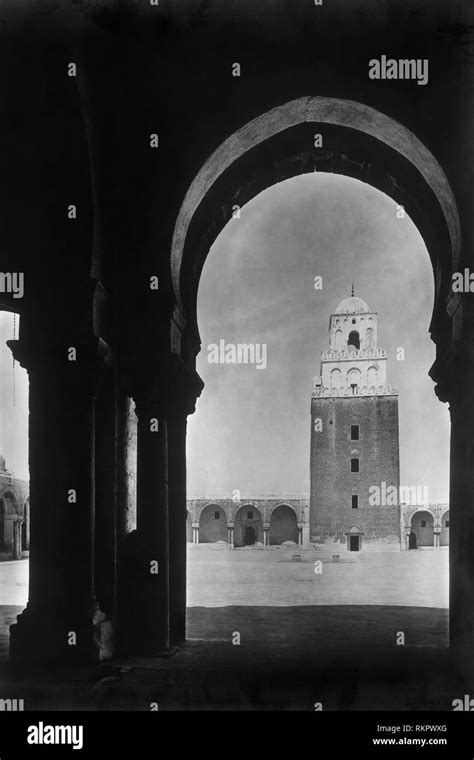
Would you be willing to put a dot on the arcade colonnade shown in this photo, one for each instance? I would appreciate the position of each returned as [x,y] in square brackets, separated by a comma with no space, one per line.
[264,521]
[425,526]
[108,549]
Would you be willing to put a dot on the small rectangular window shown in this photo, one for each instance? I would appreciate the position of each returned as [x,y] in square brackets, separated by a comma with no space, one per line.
[354,465]
[423,523]
[217,515]
[354,432]
[249,515]
[355,501]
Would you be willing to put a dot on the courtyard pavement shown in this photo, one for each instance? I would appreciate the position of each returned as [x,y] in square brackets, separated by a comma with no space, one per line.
[356,598]
[302,636]
[219,577]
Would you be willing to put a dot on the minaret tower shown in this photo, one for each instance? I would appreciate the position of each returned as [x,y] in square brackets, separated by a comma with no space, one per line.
[354,434]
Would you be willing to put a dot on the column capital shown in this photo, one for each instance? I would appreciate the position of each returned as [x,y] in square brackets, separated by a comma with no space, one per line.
[68,377]
[453,374]
[167,388]
[72,361]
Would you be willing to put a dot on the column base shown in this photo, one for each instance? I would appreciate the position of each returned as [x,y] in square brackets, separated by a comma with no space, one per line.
[39,637]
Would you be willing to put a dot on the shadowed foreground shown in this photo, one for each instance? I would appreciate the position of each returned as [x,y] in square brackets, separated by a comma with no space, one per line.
[289,658]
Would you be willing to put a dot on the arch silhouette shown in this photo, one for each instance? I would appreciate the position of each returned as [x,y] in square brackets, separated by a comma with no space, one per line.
[376,149]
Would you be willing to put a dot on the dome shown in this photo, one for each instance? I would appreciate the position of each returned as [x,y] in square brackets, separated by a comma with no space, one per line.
[352,305]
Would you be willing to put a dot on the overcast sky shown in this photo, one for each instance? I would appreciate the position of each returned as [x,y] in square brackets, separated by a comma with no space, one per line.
[251,430]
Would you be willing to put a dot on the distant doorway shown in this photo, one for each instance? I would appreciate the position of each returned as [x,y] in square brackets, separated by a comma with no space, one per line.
[353,543]
[422,525]
[249,536]
[412,544]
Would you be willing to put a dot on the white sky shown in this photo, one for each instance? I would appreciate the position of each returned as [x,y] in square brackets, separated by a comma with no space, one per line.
[251,428]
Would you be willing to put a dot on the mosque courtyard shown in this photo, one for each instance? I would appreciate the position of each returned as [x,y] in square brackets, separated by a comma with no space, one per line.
[345,597]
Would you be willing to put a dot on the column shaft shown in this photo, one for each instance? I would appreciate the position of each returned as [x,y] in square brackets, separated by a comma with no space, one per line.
[152,635]
[177,526]
[62,620]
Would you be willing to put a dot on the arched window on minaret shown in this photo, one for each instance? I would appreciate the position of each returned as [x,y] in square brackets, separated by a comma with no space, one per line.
[335,378]
[353,378]
[369,337]
[372,377]
[354,339]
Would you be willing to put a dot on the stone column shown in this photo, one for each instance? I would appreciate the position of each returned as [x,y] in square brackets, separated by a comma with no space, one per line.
[177,526]
[300,534]
[125,503]
[230,535]
[151,628]
[165,392]
[17,538]
[196,534]
[62,621]
[27,525]
[461,556]
[456,385]
[105,479]
[266,535]
[305,526]
[407,538]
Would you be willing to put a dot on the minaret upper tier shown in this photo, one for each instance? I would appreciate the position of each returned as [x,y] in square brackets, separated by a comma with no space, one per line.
[354,364]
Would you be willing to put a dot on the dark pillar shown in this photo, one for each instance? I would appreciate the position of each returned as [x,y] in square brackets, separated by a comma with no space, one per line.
[177,526]
[126,521]
[105,564]
[183,387]
[461,502]
[153,562]
[152,631]
[17,538]
[456,385]
[62,620]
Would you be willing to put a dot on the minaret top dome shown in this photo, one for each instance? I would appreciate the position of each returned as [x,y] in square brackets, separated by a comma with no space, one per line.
[353,305]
